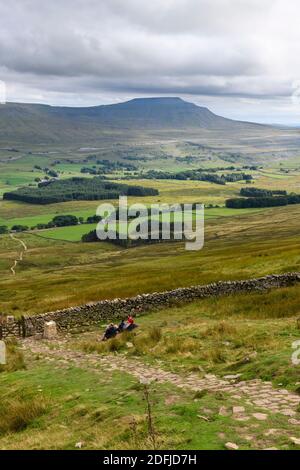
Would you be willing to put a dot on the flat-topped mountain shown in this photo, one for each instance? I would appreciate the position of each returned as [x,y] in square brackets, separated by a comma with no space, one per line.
[156,113]
[38,123]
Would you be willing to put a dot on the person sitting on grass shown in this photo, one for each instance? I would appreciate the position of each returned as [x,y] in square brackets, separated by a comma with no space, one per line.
[122,326]
[110,332]
[130,323]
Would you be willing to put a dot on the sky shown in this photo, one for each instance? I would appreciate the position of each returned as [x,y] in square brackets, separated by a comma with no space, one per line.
[240,58]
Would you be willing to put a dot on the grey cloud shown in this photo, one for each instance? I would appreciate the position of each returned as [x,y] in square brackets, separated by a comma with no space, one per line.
[73,49]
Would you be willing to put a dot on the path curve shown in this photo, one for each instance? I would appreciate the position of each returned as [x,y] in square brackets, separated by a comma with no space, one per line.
[261,401]
[16,261]
[257,393]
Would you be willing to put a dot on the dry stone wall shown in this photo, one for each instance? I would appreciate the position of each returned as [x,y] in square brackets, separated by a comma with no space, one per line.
[112,310]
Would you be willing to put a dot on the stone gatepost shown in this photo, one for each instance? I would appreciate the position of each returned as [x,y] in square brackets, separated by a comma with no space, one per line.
[10,319]
[2,353]
[50,330]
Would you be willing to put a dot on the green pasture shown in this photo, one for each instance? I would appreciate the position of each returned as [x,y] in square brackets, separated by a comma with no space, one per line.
[72,234]
[43,218]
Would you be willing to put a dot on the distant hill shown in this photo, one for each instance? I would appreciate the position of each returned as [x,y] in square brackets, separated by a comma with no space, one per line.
[37,123]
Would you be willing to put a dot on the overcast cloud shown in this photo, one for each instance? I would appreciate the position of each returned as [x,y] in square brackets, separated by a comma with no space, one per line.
[239,57]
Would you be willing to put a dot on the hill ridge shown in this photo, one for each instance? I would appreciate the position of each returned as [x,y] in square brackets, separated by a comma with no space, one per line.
[42,123]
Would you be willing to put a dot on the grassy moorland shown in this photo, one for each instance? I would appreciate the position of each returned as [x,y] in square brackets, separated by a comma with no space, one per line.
[56,274]
[55,404]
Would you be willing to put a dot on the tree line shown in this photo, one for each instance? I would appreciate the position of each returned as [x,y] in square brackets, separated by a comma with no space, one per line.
[257,192]
[153,236]
[76,189]
[262,198]
[199,175]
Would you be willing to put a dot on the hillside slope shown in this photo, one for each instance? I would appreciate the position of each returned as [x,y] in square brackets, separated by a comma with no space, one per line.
[37,123]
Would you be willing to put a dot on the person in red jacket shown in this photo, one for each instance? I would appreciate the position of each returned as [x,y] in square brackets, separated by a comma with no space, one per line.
[130,320]
[131,325]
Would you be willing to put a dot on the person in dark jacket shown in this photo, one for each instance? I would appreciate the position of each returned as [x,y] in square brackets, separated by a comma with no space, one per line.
[122,326]
[110,332]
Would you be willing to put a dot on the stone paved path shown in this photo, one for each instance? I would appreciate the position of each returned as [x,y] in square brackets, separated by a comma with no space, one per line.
[261,395]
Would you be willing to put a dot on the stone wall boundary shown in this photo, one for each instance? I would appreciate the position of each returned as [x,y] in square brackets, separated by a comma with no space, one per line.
[103,311]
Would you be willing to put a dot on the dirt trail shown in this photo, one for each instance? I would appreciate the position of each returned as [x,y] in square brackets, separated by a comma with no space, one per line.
[16,261]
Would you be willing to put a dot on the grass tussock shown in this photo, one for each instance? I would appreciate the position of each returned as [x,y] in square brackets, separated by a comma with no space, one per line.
[221,329]
[14,357]
[155,334]
[116,344]
[133,342]
[100,414]
[16,414]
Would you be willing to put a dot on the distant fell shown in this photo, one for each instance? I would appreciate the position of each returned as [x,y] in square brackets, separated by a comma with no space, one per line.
[39,123]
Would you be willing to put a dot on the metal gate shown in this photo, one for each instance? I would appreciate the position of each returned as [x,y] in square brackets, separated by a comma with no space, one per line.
[12,328]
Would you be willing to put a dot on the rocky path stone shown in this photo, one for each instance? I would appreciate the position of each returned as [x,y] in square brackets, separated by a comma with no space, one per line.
[261,395]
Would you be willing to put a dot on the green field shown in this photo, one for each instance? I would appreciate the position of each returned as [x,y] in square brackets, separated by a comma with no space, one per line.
[41,219]
[74,233]
[71,234]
